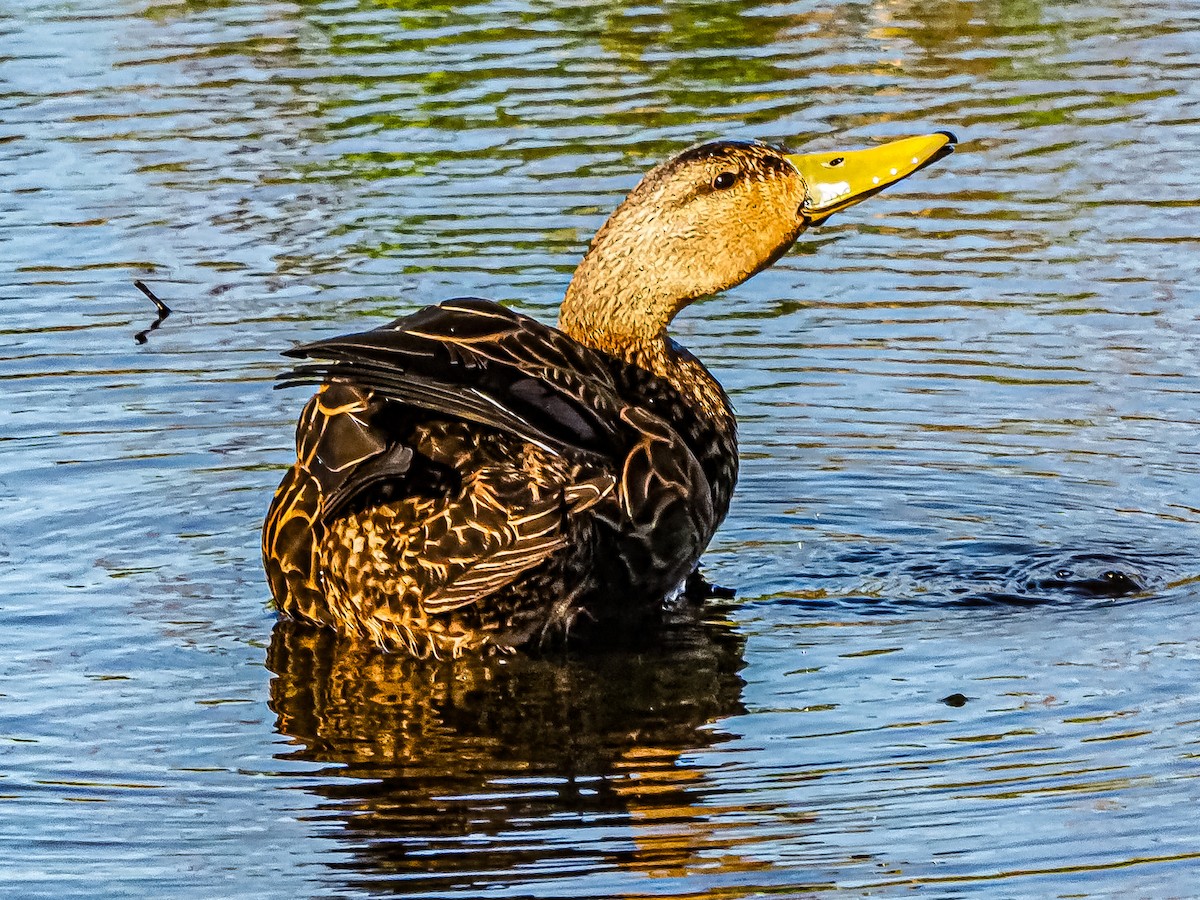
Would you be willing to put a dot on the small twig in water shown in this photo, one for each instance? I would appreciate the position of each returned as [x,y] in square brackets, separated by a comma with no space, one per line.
[163,311]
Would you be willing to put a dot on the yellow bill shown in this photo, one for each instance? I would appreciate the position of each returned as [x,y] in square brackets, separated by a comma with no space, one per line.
[836,180]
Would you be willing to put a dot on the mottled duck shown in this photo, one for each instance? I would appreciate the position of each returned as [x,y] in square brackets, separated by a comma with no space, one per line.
[468,477]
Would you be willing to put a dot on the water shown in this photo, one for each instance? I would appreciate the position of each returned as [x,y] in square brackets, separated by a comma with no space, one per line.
[962,404]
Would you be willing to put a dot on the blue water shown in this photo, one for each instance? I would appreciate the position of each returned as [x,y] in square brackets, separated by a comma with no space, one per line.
[962,404]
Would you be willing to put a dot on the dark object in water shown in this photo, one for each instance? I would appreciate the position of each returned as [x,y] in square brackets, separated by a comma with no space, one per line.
[1113,583]
[163,311]
[697,588]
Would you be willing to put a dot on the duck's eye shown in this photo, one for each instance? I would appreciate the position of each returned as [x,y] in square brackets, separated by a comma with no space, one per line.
[724,180]
[835,162]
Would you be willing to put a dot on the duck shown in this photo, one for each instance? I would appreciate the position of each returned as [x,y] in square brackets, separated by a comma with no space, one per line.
[470,479]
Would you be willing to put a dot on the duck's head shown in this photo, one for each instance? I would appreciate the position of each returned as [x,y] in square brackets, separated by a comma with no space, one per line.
[710,218]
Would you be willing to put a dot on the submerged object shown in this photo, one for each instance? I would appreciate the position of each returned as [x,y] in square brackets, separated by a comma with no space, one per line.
[467,476]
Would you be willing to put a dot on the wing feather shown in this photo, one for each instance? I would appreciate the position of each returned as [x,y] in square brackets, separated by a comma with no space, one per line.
[475,360]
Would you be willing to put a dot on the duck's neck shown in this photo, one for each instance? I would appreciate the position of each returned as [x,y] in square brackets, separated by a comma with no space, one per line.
[620,300]
[631,325]
[608,307]
[627,289]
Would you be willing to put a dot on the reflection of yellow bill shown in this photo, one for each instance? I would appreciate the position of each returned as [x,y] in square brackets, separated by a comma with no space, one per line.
[836,180]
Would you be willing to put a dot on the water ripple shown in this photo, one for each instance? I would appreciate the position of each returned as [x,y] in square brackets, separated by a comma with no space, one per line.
[962,654]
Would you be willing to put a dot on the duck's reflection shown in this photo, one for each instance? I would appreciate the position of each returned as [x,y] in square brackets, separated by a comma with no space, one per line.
[517,767]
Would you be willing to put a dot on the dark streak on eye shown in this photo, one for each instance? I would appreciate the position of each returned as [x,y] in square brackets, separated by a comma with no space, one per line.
[836,161]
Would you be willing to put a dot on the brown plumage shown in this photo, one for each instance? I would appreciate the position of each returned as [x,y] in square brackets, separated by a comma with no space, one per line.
[469,477]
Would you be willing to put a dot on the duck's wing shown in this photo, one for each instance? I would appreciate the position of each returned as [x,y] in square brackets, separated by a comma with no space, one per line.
[475,360]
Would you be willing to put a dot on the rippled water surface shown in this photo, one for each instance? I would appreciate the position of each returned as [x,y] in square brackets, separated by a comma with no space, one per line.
[963,653]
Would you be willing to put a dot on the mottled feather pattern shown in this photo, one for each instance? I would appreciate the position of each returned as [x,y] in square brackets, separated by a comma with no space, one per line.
[566,469]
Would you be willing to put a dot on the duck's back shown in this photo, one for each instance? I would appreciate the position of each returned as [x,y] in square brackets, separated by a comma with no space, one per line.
[467,475]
